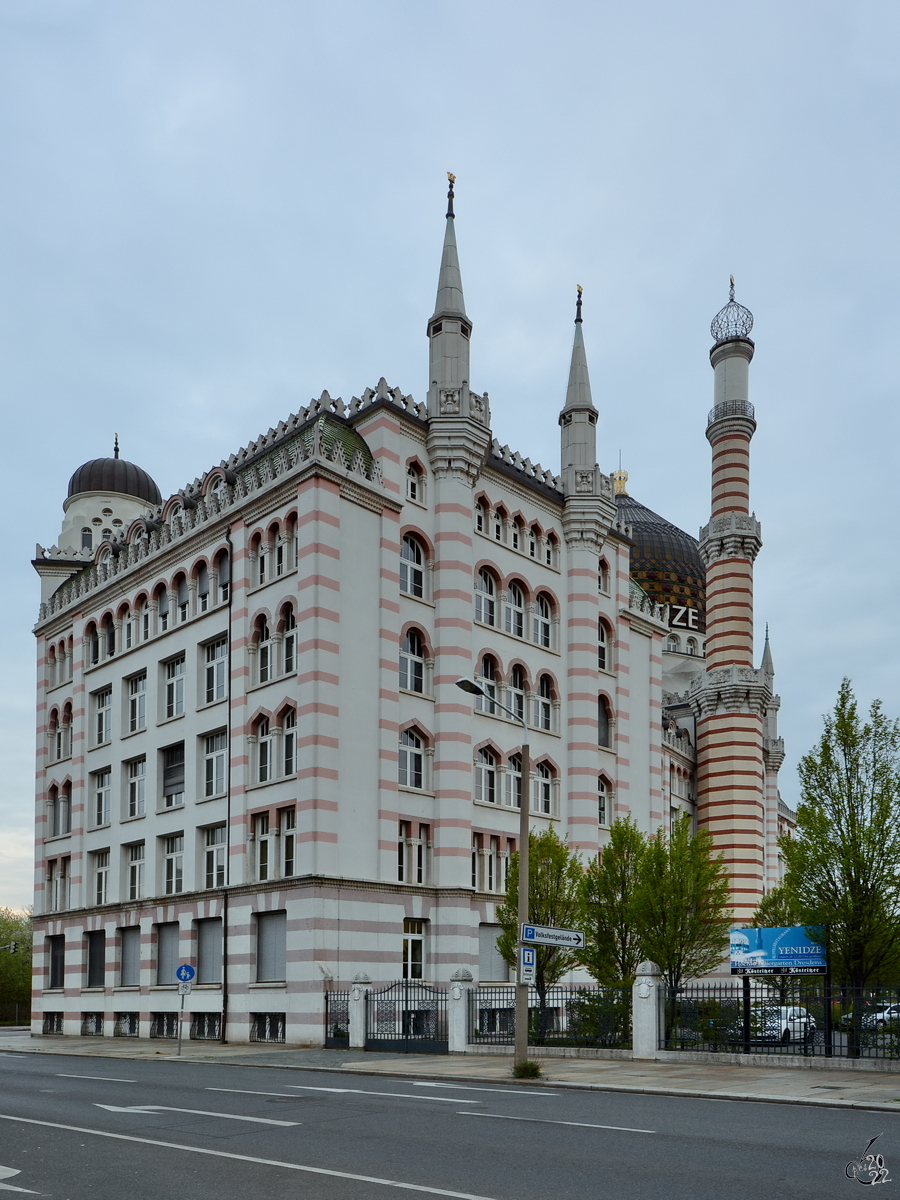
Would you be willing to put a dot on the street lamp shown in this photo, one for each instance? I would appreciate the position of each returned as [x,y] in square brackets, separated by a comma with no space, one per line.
[474,688]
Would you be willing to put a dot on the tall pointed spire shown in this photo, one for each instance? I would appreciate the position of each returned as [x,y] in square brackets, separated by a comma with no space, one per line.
[767,666]
[578,393]
[449,301]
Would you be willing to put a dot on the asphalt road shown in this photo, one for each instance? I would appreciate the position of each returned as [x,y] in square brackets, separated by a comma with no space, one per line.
[79,1128]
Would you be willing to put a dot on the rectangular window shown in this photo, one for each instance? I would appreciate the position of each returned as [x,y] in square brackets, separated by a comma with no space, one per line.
[214,857]
[137,702]
[271,947]
[56,949]
[413,949]
[290,742]
[101,877]
[492,966]
[421,853]
[215,764]
[167,952]
[403,835]
[264,862]
[58,884]
[137,787]
[103,716]
[96,958]
[174,864]
[216,666]
[288,818]
[130,973]
[209,951]
[101,791]
[290,646]
[175,687]
[173,776]
[136,871]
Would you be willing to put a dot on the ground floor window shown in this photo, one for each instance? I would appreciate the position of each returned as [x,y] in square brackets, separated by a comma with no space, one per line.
[127,1024]
[92,1024]
[206,1027]
[53,1022]
[267,1027]
[413,949]
[164,1025]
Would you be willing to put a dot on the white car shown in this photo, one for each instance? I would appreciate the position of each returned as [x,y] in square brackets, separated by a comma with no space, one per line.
[783,1023]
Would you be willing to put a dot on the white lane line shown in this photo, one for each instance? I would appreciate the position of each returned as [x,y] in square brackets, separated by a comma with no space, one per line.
[8,1173]
[265,1162]
[365,1092]
[244,1092]
[465,1087]
[102,1078]
[538,1121]
[197,1112]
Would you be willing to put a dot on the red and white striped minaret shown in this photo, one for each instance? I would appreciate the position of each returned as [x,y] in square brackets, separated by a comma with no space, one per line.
[730,701]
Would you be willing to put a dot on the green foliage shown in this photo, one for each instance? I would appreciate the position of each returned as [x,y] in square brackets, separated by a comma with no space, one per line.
[529,1069]
[601,1018]
[554,898]
[682,904]
[15,969]
[843,864]
[775,911]
[608,915]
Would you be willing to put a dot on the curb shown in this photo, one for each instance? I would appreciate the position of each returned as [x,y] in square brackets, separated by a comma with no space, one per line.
[622,1089]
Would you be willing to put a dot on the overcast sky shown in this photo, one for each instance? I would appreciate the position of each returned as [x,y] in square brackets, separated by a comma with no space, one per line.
[210,211]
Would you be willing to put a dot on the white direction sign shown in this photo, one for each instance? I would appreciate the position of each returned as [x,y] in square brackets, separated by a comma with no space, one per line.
[184,989]
[547,935]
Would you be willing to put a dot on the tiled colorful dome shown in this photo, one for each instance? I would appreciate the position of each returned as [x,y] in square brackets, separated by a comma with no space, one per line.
[665,560]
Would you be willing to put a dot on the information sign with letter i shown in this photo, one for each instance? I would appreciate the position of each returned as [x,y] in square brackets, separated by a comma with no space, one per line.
[527,964]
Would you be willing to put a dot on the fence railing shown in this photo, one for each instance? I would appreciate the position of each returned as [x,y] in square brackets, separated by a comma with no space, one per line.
[337,1020]
[15,1013]
[567,1015]
[798,1016]
[409,1016]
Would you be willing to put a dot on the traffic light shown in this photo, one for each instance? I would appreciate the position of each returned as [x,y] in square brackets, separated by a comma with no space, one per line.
[14,947]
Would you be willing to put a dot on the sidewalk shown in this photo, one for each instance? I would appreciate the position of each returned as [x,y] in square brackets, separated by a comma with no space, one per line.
[725,1081]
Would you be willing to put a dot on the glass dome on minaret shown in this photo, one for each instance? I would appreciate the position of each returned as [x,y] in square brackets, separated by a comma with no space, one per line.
[732,321]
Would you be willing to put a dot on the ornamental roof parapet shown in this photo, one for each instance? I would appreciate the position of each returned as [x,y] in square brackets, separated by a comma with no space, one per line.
[531,471]
[679,740]
[639,601]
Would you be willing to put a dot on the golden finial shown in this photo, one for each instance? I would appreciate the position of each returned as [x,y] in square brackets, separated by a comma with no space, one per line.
[580,288]
[620,478]
[451,177]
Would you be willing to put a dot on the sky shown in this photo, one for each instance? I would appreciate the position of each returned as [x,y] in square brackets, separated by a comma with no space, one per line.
[212,211]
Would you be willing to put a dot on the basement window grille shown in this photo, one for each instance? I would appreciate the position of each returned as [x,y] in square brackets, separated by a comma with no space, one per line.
[267,1027]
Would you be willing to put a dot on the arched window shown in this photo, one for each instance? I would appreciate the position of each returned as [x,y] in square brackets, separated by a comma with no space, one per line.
[602,801]
[412,662]
[479,517]
[66,729]
[673,644]
[289,732]
[498,523]
[87,539]
[109,634]
[515,611]
[488,681]
[92,639]
[203,587]
[604,722]
[54,736]
[264,653]
[218,489]
[289,624]
[224,568]
[414,485]
[176,517]
[544,705]
[181,592]
[278,543]
[533,539]
[603,576]
[543,790]
[484,597]
[515,535]
[604,660]
[550,551]
[692,646]
[411,760]
[517,691]
[262,548]
[412,577]
[542,617]
[486,777]
[514,781]
[162,607]
[264,759]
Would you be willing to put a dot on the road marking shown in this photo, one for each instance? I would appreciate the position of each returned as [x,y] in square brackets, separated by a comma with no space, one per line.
[102,1078]
[197,1112]
[538,1121]
[465,1087]
[244,1092]
[265,1162]
[8,1173]
[365,1092]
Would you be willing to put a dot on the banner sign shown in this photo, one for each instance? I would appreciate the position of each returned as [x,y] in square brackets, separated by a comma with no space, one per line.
[777,951]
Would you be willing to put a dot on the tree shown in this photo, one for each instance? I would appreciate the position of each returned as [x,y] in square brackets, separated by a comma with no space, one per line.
[15,969]
[554,898]
[843,862]
[682,904]
[609,888]
[775,910]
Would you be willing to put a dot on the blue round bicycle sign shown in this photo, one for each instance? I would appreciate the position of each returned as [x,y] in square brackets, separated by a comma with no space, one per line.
[185,973]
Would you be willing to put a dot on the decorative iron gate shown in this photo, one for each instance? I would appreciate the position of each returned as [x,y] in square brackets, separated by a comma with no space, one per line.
[407,1016]
[337,1020]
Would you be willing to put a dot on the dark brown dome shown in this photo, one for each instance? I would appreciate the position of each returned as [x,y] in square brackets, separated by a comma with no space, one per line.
[665,560]
[115,475]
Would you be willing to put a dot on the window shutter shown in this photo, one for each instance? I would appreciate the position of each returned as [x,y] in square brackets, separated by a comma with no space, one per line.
[492,966]
[209,951]
[166,952]
[131,956]
[57,960]
[202,581]
[173,770]
[271,945]
[96,972]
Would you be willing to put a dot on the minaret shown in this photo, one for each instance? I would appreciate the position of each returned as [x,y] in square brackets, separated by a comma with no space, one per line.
[449,330]
[773,757]
[578,419]
[730,702]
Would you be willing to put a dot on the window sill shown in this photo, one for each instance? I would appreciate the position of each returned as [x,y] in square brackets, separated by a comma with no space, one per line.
[208,987]
[607,749]
[57,837]
[258,587]
[97,828]
[127,987]
[422,695]
[95,987]
[55,762]
[210,704]
[163,987]
[168,720]
[274,985]
[56,686]
[133,733]
[417,599]
[207,799]
[418,503]
[136,817]
[100,746]
[254,687]
[162,810]
[401,787]
[517,550]
[54,991]
[253,787]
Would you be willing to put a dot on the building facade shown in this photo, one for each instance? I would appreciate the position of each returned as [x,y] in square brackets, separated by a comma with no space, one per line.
[252,754]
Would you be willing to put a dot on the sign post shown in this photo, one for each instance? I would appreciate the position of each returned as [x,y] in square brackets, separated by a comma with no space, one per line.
[184,974]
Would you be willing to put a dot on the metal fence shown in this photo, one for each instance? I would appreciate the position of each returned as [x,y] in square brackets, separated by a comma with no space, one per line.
[762,1015]
[13,1013]
[567,1015]
[337,1020]
[408,1016]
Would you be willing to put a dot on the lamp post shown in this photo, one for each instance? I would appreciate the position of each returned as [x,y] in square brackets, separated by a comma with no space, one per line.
[474,688]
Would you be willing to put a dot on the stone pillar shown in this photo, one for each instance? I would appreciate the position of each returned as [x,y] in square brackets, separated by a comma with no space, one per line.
[358,1014]
[647,996]
[458,1011]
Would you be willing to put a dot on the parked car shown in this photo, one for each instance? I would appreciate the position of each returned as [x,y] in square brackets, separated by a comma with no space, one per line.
[870,1015]
[782,1023]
